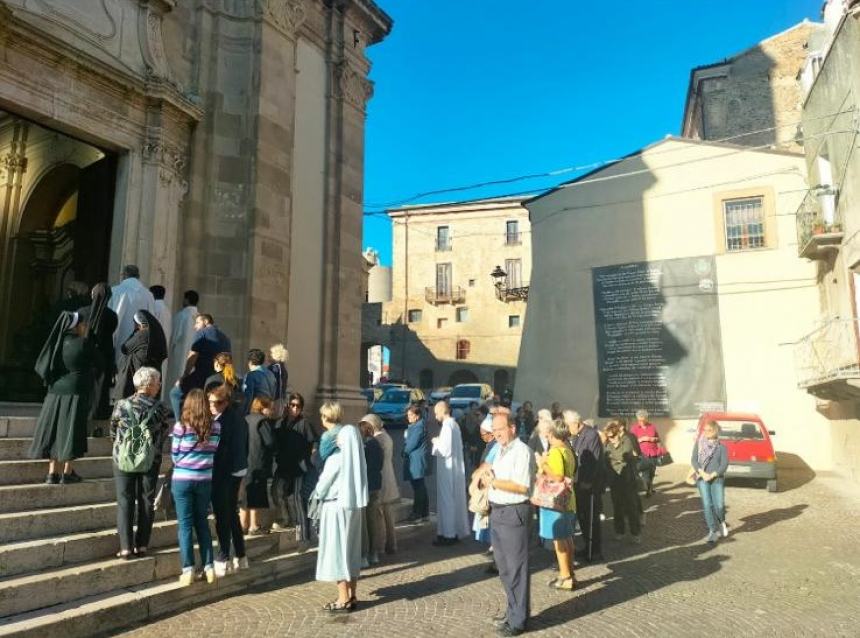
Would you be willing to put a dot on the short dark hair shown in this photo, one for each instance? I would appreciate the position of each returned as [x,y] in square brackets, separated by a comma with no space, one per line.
[295,396]
[256,356]
[205,316]
[484,410]
[130,270]
[157,291]
[414,410]
[191,297]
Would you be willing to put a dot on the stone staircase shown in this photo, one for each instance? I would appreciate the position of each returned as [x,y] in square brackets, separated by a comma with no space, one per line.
[58,571]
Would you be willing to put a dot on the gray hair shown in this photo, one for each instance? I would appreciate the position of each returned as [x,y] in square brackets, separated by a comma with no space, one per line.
[145,377]
[641,414]
[572,415]
[558,430]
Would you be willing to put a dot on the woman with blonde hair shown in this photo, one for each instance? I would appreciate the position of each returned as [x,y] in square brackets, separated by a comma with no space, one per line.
[342,492]
[195,441]
[278,355]
[225,374]
[710,461]
[558,464]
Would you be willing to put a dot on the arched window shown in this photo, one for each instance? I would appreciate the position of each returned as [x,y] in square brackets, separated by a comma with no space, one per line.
[463,347]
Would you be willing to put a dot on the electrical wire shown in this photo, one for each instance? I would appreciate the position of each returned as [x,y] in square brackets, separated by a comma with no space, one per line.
[592,165]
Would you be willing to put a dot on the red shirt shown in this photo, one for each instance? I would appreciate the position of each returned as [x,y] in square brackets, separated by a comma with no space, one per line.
[649,448]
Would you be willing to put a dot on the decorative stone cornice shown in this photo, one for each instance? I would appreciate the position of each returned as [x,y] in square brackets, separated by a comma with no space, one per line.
[353,87]
[156,151]
[287,16]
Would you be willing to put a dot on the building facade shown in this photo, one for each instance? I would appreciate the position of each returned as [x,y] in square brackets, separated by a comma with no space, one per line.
[449,321]
[752,97]
[827,352]
[682,293]
[216,144]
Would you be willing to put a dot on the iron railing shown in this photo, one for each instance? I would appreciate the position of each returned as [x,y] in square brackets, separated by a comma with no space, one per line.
[814,229]
[445,295]
[828,353]
[518,293]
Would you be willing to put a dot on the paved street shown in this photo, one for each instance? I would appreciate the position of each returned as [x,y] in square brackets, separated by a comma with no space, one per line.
[788,568]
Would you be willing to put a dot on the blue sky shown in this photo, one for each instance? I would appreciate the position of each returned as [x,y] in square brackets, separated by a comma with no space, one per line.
[469,91]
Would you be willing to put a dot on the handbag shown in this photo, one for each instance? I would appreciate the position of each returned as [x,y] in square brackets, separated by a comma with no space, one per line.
[164,497]
[479,498]
[664,458]
[552,494]
[691,478]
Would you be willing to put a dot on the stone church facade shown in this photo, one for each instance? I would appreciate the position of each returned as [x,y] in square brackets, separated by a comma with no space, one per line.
[217,144]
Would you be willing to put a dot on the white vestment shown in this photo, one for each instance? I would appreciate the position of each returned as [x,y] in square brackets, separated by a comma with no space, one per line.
[181,337]
[127,297]
[452,518]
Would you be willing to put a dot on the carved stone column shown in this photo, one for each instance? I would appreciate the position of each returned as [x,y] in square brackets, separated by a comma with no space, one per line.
[13,165]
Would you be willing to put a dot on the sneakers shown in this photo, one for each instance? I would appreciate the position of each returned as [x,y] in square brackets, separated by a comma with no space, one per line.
[220,568]
[186,578]
[52,479]
[209,573]
[713,537]
[725,529]
[277,527]
[240,563]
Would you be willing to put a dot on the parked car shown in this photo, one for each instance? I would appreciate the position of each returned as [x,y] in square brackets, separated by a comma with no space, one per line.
[747,440]
[382,388]
[391,406]
[463,395]
[438,395]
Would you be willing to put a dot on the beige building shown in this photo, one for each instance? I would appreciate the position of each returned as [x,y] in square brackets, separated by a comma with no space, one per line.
[449,321]
[754,96]
[216,144]
[670,280]
[827,352]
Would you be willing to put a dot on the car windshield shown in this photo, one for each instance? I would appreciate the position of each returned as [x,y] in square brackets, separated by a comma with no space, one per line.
[737,430]
[395,396]
[466,391]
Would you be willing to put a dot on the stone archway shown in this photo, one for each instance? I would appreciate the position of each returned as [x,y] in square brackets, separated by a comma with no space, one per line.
[462,376]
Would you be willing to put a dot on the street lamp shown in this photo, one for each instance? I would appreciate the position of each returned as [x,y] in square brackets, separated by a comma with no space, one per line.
[499,279]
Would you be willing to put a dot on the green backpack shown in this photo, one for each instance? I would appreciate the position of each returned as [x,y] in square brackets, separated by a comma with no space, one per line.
[135,450]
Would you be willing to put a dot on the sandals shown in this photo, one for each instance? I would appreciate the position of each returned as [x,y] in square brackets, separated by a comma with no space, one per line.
[565,584]
[338,608]
[125,555]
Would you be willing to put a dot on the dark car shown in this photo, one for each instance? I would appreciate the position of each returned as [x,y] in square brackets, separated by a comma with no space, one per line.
[391,406]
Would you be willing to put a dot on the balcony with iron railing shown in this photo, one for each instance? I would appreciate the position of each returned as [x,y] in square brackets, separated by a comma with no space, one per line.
[819,225]
[453,295]
[512,291]
[827,360]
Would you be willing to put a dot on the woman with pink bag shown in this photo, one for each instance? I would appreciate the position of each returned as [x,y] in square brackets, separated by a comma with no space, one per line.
[558,465]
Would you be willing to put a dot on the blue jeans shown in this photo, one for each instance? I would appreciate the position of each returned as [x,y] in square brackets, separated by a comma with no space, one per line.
[192,509]
[713,495]
[176,401]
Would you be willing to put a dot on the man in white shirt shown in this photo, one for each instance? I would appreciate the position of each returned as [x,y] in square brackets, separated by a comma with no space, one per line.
[128,297]
[452,518]
[181,337]
[510,514]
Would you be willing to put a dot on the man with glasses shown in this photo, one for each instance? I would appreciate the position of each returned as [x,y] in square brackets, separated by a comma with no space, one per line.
[295,476]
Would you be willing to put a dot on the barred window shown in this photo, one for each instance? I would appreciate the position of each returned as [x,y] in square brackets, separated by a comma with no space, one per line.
[744,223]
[463,348]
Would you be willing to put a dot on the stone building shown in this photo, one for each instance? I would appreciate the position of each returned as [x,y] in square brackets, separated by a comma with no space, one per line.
[218,144]
[753,96]
[449,321]
[827,351]
[681,292]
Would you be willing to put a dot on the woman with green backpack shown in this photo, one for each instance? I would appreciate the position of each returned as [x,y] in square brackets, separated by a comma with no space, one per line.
[138,427]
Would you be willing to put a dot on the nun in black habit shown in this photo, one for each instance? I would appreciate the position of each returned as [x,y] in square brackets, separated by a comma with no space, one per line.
[66,365]
[146,346]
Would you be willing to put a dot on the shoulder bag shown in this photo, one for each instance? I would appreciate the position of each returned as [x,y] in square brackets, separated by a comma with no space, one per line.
[552,494]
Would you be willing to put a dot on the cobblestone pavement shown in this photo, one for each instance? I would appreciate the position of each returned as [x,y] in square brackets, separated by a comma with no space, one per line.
[788,568]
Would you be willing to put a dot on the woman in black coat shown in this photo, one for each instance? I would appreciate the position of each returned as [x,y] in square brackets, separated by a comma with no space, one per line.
[146,347]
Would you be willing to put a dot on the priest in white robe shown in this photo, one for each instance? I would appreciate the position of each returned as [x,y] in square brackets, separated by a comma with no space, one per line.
[452,518]
[181,337]
[128,297]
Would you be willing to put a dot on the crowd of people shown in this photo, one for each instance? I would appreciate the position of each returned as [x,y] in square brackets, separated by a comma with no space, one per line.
[243,449]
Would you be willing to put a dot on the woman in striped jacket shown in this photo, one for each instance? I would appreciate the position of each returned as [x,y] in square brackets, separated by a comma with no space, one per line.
[195,440]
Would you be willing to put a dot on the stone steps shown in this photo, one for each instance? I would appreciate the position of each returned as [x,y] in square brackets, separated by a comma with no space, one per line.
[17,426]
[26,471]
[17,448]
[48,553]
[23,498]
[96,614]
[22,593]
[57,521]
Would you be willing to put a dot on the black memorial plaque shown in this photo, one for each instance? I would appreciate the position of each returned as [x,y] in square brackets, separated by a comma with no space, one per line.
[658,337]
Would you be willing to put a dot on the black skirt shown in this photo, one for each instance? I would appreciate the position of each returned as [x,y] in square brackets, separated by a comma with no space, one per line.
[256,494]
[61,431]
